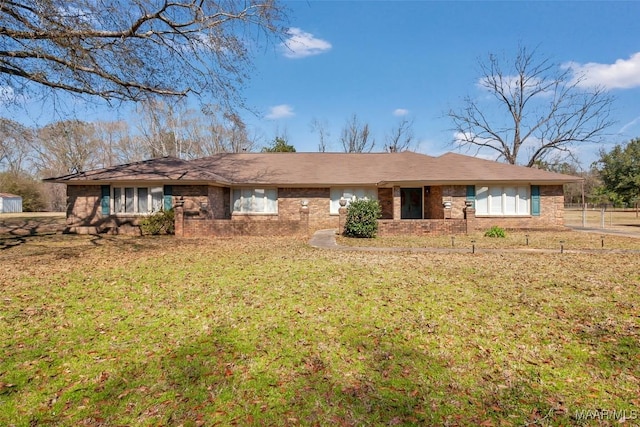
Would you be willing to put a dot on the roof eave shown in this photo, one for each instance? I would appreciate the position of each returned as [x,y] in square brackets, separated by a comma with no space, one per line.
[138,182]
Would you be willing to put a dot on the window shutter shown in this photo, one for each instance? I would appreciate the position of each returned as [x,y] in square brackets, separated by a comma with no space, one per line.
[471,194]
[104,199]
[535,200]
[168,202]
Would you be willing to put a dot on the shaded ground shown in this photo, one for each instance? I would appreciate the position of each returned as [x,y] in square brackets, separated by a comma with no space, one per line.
[32,223]
[15,229]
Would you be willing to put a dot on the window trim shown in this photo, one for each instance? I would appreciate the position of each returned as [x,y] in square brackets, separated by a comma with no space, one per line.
[150,204]
[366,190]
[267,202]
[487,201]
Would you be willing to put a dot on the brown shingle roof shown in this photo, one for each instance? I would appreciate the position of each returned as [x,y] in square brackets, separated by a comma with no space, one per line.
[160,169]
[324,169]
[308,169]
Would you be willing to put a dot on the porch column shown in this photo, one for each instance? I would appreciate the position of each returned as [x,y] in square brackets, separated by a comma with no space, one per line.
[178,219]
[304,218]
[342,219]
[470,218]
[397,204]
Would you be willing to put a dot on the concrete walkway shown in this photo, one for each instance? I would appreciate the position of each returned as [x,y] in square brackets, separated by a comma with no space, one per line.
[326,239]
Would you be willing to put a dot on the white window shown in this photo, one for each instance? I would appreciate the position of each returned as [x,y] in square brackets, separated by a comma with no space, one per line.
[350,194]
[136,200]
[503,200]
[255,200]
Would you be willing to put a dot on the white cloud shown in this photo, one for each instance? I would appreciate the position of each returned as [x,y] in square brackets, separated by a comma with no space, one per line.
[301,44]
[629,125]
[280,112]
[622,74]
[400,112]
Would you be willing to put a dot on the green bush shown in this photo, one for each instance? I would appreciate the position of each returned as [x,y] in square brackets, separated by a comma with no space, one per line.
[25,186]
[362,218]
[159,223]
[495,231]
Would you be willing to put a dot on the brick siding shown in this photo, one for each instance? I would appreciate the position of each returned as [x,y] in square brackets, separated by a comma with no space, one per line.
[421,227]
[385,198]
[206,211]
[84,214]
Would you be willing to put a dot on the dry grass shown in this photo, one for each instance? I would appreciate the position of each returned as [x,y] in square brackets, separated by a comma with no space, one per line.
[514,240]
[160,331]
[612,219]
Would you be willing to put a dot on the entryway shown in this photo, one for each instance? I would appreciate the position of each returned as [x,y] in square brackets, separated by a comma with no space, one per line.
[411,203]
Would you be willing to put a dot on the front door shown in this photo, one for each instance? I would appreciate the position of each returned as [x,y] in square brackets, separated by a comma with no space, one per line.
[411,203]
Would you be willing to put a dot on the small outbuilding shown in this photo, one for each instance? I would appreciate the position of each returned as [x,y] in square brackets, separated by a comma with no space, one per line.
[10,203]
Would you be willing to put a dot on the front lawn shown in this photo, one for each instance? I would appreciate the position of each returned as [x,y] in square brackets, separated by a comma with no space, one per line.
[162,331]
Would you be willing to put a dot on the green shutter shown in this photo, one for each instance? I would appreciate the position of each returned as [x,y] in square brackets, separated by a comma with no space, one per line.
[168,202]
[471,194]
[535,200]
[104,199]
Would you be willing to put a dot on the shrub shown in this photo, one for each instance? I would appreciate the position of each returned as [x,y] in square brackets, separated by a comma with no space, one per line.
[362,218]
[159,223]
[495,231]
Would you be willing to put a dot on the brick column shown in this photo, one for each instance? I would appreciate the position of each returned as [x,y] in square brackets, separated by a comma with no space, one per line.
[178,213]
[342,219]
[397,203]
[470,218]
[304,218]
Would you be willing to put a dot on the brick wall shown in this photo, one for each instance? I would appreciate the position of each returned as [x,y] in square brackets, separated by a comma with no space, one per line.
[318,203]
[292,219]
[421,227]
[84,214]
[83,205]
[457,195]
[198,227]
[433,202]
[385,198]
[195,198]
[219,202]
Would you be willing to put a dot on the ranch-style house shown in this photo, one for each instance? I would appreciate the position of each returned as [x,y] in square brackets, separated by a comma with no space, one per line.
[299,193]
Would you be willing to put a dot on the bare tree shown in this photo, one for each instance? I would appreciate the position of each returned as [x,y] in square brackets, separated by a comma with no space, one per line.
[15,145]
[239,140]
[65,147]
[167,129]
[537,106]
[322,129]
[173,130]
[226,132]
[355,137]
[131,50]
[400,137]
[116,144]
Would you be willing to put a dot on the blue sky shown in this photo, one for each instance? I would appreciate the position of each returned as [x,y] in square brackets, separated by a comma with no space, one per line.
[386,60]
